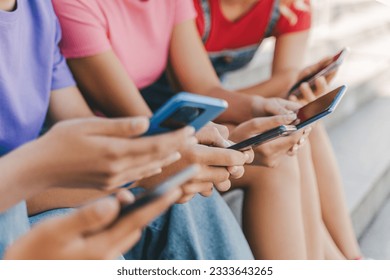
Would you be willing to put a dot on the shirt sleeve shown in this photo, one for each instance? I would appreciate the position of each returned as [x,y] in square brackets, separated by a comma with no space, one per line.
[83,28]
[283,26]
[184,10]
[61,75]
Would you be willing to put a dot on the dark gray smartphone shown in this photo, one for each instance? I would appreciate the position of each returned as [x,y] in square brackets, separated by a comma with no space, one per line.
[172,182]
[333,64]
[261,138]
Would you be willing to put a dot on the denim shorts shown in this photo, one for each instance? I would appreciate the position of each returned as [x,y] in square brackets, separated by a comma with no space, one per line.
[203,228]
[13,224]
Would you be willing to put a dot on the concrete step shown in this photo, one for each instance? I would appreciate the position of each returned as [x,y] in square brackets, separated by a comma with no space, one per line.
[361,144]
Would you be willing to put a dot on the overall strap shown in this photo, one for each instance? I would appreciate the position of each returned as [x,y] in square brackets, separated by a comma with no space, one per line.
[275,15]
[207,20]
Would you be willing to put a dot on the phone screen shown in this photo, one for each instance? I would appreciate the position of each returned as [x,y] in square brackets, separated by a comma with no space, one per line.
[318,107]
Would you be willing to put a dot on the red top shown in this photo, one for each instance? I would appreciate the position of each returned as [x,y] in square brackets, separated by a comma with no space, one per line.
[247,30]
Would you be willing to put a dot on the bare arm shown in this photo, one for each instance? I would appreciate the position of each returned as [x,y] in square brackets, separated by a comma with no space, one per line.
[287,63]
[68,103]
[196,74]
[104,81]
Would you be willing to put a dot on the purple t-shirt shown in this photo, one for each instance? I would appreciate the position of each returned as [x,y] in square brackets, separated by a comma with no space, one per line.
[31,66]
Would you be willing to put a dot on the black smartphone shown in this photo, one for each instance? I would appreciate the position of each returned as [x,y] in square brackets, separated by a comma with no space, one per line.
[336,61]
[264,137]
[172,182]
[306,115]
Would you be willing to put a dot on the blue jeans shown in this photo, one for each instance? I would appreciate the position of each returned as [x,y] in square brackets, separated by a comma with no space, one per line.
[203,228]
[13,224]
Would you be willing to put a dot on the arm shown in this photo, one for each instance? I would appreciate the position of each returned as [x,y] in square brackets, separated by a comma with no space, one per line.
[196,74]
[287,64]
[104,81]
[67,103]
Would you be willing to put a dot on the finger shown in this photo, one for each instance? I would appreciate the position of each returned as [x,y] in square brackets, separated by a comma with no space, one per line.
[214,156]
[185,198]
[212,175]
[157,146]
[207,193]
[290,106]
[117,236]
[143,171]
[307,93]
[283,144]
[321,86]
[91,218]
[260,125]
[212,136]
[121,127]
[124,197]
[223,186]
[236,171]
[194,188]
[250,155]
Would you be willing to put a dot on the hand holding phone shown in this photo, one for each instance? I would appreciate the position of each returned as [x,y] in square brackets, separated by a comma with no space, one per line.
[172,182]
[326,69]
[306,115]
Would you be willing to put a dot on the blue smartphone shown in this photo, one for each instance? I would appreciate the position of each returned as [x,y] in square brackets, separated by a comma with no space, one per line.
[172,182]
[186,109]
[333,64]
[306,115]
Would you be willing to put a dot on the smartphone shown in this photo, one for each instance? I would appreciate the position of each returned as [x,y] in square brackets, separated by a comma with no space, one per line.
[319,108]
[336,61]
[172,182]
[306,115]
[264,137]
[186,109]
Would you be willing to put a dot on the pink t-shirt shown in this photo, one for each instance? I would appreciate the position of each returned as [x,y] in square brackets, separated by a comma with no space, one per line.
[137,31]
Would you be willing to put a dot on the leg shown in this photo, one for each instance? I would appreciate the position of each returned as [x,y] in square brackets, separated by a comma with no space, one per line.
[272,215]
[319,243]
[203,228]
[334,209]
[13,224]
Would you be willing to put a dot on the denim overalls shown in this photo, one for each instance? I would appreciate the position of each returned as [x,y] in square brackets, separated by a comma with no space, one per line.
[231,60]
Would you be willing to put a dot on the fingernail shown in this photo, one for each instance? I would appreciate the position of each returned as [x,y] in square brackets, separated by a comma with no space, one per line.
[233,169]
[292,116]
[105,207]
[301,141]
[175,157]
[307,130]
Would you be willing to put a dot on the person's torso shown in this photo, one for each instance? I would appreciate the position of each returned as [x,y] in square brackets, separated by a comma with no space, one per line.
[139,33]
[232,44]
[27,45]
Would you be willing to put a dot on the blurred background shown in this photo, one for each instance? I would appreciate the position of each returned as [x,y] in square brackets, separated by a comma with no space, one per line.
[360,127]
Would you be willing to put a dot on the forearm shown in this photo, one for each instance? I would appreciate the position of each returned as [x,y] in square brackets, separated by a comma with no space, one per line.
[240,105]
[54,198]
[21,176]
[105,82]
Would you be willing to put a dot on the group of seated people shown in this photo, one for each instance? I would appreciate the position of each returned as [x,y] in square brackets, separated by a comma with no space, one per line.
[94,71]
